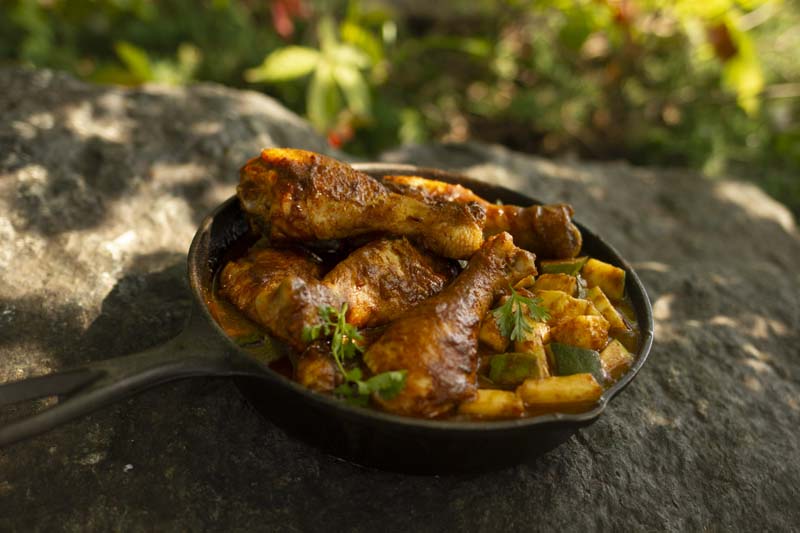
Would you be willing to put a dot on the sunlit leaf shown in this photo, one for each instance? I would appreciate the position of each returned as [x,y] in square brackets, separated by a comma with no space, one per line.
[362,39]
[355,89]
[323,100]
[345,54]
[135,60]
[284,64]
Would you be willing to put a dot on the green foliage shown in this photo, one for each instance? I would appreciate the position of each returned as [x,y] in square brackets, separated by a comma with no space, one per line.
[711,85]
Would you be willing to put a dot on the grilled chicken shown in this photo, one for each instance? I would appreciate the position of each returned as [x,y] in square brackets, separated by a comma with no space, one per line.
[437,341]
[297,195]
[260,272]
[378,282]
[546,230]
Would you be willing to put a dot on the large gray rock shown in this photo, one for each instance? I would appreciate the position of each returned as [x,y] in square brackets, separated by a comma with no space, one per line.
[101,190]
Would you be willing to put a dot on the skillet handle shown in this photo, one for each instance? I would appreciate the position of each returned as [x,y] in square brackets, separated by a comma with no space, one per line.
[196,351]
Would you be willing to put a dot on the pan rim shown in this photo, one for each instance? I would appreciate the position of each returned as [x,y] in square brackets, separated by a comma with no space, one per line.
[371,415]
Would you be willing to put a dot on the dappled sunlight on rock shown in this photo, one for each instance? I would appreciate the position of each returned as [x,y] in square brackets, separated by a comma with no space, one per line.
[82,120]
[756,203]
[654,266]
[662,308]
[206,127]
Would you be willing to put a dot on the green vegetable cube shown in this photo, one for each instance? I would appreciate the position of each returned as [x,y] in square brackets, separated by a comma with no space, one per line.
[510,369]
[563,266]
[568,360]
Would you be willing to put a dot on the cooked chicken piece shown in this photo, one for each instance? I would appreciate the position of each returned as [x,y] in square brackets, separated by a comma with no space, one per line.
[546,230]
[298,195]
[436,342]
[260,272]
[316,369]
[378,281]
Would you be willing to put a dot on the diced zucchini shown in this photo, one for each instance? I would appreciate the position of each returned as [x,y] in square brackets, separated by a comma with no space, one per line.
[585,331]
[568,360]
[616,359]
[563,394]
[563,266]
[608,277]
[490,334]
[602,304]
[491,403]
[512,368]
[557,282]
[561,306]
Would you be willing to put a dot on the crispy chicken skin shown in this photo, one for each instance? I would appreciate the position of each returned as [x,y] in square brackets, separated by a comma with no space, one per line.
[546,230]
[437,341]
[298,195]
[261,271]
[378,281]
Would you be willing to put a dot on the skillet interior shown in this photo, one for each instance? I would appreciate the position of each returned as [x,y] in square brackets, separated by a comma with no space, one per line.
[383,440]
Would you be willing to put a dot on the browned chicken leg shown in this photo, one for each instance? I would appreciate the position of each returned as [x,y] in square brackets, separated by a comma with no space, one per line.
[378,281]
[436,342]
[260,272]
[546,230]
[300,195]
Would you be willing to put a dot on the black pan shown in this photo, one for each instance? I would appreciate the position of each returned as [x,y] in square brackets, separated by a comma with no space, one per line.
[362,435]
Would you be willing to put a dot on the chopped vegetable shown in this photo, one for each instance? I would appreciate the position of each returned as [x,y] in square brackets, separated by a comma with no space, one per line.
[568,360]
[608,277]
[511,369]
[585,331]
[616,359]
[536,337]
[563,394]
[491,403]
[526,282]
[561,305]
[491,336]
[601,302]
[510,316]
[557,282]
[563,266]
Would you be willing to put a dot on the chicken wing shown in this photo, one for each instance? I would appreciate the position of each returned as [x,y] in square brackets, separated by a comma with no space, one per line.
[546,230]
[378,281]
[298,195]
[436,342]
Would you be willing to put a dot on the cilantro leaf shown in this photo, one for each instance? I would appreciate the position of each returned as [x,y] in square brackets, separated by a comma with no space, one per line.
[388,384]
[346,344]
[511,318]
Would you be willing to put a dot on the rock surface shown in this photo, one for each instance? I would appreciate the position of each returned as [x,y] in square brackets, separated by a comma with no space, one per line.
[101,190]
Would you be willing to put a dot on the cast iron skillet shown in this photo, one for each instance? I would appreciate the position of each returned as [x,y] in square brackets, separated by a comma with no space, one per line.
[366,436]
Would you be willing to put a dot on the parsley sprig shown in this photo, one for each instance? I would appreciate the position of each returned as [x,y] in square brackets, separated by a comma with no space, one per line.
[346,345]
[511,319]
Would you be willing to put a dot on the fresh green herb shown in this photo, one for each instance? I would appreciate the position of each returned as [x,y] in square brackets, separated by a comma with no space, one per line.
[345,346]
[510,316]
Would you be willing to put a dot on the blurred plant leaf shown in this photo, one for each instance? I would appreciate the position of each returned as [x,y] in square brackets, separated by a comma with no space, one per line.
[363,40]
[323,100]
[284,64]
[135,60]
[354,87]
[742,73]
